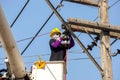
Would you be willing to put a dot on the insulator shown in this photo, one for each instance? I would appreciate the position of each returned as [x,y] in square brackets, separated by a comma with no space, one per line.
[97,38]
[90,47]
[118,51]
[94,43]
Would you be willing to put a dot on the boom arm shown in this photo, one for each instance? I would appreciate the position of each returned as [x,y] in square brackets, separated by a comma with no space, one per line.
[10,47]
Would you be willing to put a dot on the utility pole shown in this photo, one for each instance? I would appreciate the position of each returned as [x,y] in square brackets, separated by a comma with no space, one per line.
[105,42]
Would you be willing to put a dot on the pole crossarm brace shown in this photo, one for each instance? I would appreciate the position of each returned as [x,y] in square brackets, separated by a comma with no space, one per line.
[94,27]
[85,2]
[75,37]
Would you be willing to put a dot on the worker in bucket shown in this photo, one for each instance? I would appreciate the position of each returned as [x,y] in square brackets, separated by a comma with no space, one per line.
[59,44]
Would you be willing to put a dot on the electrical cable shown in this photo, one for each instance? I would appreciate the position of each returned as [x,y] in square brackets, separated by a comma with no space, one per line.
[29,38]
[113,4]
[73,59]
[19,13]
[18,16]
[39,30]
[32,37]
[113,42]
[108,8]
[82,59]
[47,54]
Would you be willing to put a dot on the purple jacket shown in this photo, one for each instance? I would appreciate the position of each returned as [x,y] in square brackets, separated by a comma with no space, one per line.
[58,51]
[58,42]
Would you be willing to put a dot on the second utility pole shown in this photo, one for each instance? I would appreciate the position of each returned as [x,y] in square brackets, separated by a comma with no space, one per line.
[105,42]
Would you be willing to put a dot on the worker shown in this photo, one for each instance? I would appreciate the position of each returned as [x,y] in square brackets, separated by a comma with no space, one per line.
[58,48]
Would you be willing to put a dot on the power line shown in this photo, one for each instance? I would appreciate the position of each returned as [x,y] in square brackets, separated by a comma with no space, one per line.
[113,4]
[74,51]
[19,13]
[29,38]
[47,54]
[73,59]
[113,41]
[32,37]
[39,30]
[108,8]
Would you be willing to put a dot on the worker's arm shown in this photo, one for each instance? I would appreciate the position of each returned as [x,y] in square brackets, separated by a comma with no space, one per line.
[56,43]
[72,43]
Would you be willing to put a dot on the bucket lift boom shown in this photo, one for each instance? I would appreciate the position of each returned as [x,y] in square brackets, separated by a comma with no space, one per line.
[11,50]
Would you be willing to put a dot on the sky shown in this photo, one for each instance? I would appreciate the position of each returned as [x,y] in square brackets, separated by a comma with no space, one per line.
[79,66]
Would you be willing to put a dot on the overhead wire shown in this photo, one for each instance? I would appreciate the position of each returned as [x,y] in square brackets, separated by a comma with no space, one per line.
[39,30]
[70,52]
[113,41]
[108,8]
[72,59]
[33,37]
[76,51]
[113,4]
[17,17]
[19,13]
[29,38]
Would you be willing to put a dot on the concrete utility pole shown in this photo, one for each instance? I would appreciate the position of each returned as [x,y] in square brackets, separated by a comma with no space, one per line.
[105,42]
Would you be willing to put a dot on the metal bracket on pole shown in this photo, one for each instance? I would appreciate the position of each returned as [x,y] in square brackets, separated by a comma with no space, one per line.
[75,37]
